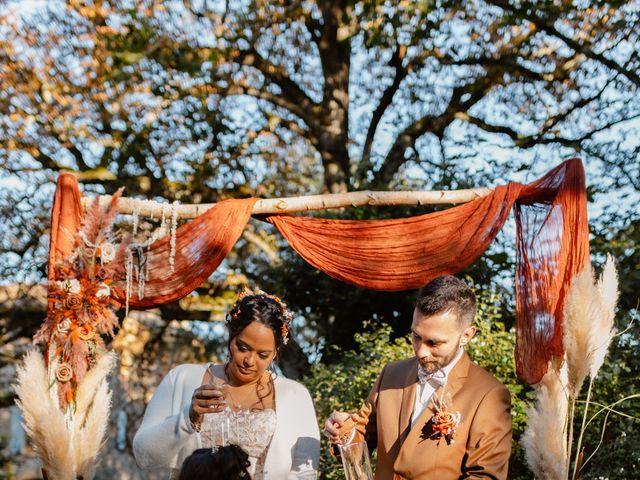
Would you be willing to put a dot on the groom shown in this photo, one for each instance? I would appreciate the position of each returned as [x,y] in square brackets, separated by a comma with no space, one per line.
[436,415]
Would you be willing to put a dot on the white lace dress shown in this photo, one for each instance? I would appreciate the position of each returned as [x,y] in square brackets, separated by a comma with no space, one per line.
[252,430]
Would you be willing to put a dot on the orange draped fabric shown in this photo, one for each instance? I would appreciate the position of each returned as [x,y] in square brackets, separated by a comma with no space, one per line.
[403,253]
[407,253]
[201,245]
[552,244]
[66,216]
[397,254]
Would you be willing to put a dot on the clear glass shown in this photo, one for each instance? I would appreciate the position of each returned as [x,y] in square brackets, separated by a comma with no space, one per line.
[355,461]
[224,426]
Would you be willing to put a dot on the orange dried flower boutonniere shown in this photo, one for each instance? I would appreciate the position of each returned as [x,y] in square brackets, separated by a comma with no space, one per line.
[445,421]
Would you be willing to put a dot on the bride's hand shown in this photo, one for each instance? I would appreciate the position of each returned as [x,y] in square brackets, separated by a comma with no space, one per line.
[206,399]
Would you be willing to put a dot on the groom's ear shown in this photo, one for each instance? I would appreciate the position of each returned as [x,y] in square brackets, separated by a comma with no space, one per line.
[467,335]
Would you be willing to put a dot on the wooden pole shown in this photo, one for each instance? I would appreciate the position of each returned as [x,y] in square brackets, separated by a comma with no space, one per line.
[149,208]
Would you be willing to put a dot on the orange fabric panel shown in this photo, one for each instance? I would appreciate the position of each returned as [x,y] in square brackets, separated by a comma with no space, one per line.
[66,218]
[201,245]
[552,247]
[404,253]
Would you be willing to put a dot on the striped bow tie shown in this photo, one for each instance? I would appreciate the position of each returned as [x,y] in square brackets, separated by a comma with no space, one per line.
[437,378]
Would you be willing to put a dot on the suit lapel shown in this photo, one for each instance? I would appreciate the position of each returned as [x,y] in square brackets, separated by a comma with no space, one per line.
[408,400]
[457,377]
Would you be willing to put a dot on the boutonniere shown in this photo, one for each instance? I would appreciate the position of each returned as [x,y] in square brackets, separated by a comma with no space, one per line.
[445,421]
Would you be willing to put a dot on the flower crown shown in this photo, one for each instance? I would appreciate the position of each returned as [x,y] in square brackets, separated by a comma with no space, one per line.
[287,315]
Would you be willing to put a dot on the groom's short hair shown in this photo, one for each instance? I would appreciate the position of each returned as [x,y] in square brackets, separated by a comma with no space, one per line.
[448,294]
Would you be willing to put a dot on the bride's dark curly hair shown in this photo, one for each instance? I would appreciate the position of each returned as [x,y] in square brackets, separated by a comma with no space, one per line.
[230,462]
[262,308]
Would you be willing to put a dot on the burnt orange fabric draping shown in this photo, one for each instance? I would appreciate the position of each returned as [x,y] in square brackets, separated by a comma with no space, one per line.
[553,246]
[400,254]
[66,216]
[201,245]
[395,254]
[403,253]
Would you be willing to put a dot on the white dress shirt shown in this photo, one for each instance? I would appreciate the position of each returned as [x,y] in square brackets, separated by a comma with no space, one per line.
[424,391]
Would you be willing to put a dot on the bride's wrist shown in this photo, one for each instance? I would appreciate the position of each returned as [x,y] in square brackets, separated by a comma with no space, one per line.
[195,420]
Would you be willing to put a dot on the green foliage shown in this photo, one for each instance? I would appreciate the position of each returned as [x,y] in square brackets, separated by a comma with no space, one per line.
[616,439]
[344,384]
[492,348]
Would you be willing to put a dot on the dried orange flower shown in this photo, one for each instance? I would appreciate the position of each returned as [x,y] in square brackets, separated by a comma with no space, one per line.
[63,327]
[73,301]
[64,372]
[85,332]
[107,252]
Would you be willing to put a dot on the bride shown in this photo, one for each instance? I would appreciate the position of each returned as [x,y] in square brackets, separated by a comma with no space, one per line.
[240,402]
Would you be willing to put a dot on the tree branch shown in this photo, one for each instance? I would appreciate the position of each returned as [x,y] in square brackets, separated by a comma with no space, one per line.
[435,124]
[385,101]
[529,141]
[549,28]
[307,203]
[292,98]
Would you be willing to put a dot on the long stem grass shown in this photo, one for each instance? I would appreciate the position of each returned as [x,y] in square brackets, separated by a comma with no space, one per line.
[589,311]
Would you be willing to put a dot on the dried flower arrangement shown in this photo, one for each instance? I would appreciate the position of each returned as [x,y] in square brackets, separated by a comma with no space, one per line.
[589,311]
[67,447]
[80,304]
[64,395]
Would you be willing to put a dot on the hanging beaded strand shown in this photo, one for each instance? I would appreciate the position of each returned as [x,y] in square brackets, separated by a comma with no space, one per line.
[129,267]
[172,241]
[135,220]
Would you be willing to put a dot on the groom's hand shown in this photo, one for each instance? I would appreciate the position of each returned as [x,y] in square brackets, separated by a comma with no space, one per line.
[334,423]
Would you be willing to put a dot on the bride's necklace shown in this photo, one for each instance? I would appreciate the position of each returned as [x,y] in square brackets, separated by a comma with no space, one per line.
[239,401]
[244,402]
[234,404]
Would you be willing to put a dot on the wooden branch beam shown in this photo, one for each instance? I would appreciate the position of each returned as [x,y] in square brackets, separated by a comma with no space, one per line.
[151,209]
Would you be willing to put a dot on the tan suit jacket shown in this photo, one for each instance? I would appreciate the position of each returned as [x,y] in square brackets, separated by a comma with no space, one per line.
[482,443]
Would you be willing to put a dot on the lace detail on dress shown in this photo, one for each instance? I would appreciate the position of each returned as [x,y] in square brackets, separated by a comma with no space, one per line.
[252,430]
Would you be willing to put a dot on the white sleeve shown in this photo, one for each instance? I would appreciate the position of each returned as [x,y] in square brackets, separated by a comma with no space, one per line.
[163,434]
[306,454]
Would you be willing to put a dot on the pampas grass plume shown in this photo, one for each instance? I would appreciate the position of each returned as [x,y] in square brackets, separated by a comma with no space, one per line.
[588,323]
[87,388]
[544,440]
[91,436]
[604,331]
[44,423]
[582,310]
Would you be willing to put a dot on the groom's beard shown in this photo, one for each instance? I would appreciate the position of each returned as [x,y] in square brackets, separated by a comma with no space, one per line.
[433,365]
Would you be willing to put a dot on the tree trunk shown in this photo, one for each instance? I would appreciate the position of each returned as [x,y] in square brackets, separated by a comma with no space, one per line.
[333,138]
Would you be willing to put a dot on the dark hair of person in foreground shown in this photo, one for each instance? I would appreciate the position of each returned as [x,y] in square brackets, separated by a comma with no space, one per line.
[221,463]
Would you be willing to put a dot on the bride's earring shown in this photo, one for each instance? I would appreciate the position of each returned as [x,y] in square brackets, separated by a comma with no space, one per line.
[272,370]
